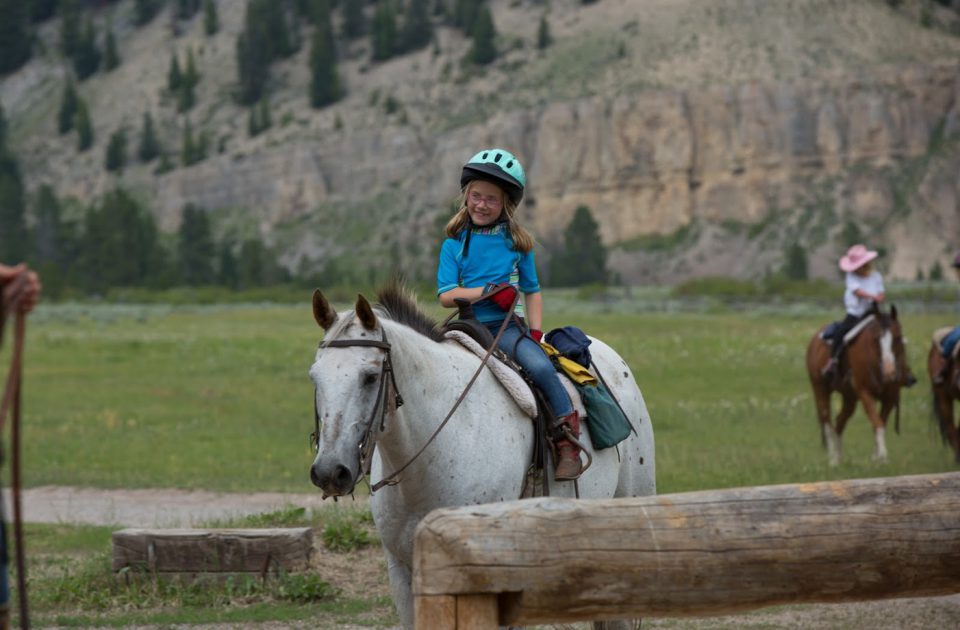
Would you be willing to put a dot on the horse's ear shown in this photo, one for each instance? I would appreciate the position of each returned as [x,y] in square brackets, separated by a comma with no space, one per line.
[322,312]
[893,311]
[367,317]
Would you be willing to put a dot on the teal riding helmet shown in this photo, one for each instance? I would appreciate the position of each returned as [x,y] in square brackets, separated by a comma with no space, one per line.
[498,166]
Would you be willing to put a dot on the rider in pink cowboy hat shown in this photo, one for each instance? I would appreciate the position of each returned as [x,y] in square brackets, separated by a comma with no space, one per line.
[864,286]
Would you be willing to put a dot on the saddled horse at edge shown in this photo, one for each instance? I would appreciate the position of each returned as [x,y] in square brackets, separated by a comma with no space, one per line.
[944,395]
[480,456]
[872,369]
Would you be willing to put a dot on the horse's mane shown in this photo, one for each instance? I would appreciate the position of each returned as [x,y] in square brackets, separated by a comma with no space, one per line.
[400,305]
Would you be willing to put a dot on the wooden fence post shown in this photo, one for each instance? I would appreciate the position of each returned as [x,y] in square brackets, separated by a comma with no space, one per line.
[553,560]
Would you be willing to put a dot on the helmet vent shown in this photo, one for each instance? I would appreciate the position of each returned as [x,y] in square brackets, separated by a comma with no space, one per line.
[485,154]
[510,164]
[498,157]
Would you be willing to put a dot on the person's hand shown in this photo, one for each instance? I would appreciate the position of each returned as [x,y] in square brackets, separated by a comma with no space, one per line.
[878,298]
[20,283]
[536,334]
[504,296]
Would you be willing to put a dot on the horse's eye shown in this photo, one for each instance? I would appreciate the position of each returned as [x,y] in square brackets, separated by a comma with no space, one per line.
[369,379]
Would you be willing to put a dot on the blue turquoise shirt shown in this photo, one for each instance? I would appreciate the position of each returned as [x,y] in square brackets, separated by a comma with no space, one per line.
[490,258]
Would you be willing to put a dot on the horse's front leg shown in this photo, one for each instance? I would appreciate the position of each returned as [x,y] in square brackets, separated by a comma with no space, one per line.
[401,586]
[879,426]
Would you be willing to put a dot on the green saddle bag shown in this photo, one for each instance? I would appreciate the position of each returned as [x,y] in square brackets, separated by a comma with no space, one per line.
[606,423]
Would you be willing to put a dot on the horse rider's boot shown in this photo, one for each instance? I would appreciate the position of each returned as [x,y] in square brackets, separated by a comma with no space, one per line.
[568,453]
[910,381]
[830,369]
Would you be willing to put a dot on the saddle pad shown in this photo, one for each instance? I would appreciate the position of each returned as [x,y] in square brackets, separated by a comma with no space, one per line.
[850,336]
[940,334]
[828,331]
[511,381]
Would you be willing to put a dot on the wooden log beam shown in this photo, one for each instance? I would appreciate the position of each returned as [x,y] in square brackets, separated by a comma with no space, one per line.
[188,551]
[698,553]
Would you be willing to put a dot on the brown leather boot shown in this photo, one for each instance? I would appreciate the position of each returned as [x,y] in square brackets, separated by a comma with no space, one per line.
[568,453]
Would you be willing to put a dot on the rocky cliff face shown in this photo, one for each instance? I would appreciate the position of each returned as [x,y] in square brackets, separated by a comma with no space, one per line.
[682,182]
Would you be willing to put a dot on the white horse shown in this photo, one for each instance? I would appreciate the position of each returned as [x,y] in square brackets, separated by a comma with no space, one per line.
[481,456]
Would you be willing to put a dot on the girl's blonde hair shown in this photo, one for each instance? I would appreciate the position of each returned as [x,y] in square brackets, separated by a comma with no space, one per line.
[460,221]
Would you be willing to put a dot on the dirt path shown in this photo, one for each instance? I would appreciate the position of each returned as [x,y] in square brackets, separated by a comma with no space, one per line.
[183,508]
[148,508]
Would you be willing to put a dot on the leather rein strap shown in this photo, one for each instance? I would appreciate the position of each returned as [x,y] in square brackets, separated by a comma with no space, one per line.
[391,479]
[10,300]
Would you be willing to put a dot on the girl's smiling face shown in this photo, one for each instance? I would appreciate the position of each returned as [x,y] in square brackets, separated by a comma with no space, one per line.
[484,202]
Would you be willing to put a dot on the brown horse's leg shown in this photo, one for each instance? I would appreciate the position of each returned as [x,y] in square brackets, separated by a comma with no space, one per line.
[943,408]
[828,434]
[848,405]
[879,426]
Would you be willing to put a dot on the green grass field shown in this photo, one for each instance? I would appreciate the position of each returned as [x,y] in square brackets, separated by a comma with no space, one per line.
[218,397]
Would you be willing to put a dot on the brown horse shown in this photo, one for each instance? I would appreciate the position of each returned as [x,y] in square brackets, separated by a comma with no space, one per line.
[872,369]
[943,396]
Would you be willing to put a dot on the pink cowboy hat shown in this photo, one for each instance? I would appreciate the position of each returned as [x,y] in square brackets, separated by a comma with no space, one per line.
[857,256]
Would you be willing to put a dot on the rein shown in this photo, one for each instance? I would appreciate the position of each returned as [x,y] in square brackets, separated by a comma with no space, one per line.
[391,479]
[368,441]
[11,399]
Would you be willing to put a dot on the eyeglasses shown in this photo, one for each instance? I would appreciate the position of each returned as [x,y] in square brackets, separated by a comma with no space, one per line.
[490,201]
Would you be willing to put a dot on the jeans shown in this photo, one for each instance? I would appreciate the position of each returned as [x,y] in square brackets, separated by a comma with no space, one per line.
[841,331]
[516,343]
[950,341]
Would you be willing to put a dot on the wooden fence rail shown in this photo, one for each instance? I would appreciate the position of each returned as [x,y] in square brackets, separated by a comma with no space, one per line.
[553,560]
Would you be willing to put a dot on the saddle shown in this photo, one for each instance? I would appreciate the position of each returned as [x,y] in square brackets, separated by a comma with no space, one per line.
[830,330]
[939,335]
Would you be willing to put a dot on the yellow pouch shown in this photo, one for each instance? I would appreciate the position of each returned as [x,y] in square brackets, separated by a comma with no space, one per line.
[577,373]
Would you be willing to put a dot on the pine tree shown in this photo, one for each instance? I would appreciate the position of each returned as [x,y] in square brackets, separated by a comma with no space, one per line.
[211,20]
[120,244]
[116,155]
[15,35]
[111,59]
[195,249]
[417,29]
[84,126]
[68,107]
[86,57]
[543,34]
[583,258]
[186,9]
[186,95]
[227,273]
[149,144]
[145,10]
[54,245]
[354,20]
[795,265]
[42,10]
[252,265]
[174,76]
[253,66]
[465,14]
[484,50]
[384,34]
[188,148]
[69,11]
[325,87]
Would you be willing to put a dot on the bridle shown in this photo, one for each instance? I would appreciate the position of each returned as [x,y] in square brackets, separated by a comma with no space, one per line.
[368,441]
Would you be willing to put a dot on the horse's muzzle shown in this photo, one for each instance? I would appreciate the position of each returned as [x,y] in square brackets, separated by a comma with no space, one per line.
[335,480]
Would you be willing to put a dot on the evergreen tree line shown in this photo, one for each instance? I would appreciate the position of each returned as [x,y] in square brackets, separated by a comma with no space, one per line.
[115,243]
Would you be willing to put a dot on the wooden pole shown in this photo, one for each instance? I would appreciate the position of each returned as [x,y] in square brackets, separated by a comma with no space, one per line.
[707,553]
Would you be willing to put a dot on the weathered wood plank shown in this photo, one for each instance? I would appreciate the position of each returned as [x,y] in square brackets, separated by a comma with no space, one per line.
[476,612]
[213,550]
[438,612]
[698,553]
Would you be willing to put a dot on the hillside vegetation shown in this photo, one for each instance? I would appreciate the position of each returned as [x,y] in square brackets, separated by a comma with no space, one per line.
[404,123]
